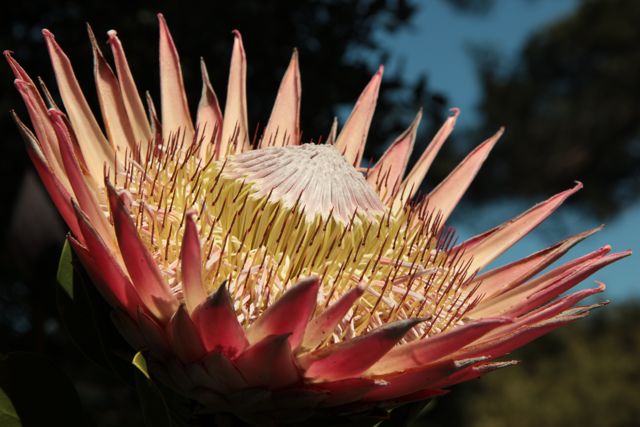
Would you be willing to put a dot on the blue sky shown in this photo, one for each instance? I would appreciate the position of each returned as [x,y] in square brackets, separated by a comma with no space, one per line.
[437,43]
[438,46]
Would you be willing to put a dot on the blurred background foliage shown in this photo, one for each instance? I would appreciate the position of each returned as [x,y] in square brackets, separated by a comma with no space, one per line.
[585,374]
[571,105]
[571,100]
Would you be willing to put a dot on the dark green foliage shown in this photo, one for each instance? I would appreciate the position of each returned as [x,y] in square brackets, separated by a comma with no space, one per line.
[40,392]
[85,318]
[330,36]
[570,104]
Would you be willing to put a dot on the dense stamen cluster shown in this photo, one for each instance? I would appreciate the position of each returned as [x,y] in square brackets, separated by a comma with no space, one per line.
[261,239]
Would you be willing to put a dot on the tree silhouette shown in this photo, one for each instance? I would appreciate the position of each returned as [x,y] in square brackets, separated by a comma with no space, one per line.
[571,104]
[326,34]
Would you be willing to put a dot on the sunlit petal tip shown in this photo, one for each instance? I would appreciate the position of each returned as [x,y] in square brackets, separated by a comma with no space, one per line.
[448,193]
[488,246]
[46,137]
[130,94]
[176,118]
[537,292]
[95,148]
[290,314]
[235,127]
[422,352]
[386,175]
[191,263]
[504,278]
[283,127]
[209,119]
[351,358]
[324,324]
[412,182]
[228,336]
[144,273]
[353,136]
[114,114]
[17,70]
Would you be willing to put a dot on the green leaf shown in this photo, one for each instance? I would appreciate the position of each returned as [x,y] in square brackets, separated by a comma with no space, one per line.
[139,362]
[40,392]
[65,269]
[8,415]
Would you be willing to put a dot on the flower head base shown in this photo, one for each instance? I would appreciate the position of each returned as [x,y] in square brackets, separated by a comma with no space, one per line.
[285,269]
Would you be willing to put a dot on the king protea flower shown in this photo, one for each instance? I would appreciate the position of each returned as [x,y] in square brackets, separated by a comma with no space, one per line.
[266,278]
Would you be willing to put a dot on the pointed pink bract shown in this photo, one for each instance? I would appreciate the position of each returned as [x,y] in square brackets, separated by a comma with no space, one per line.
[323,325]
[191,264]
[95,147]
[283,127]
[386,176]
[114,113]
[175,109]
[353,136]
[142,268]
[219,327]
[268,362]
[209,120]
[447,194]
[130,95]
[350,358]
[235,127]
[289,314]
[414,178]
[184,337]
[498,240]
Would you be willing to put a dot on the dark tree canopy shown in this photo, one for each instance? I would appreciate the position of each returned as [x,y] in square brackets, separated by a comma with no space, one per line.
[571,105]
[326,34]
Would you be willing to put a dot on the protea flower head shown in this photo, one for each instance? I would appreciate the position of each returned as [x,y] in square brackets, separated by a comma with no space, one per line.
[280,273]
